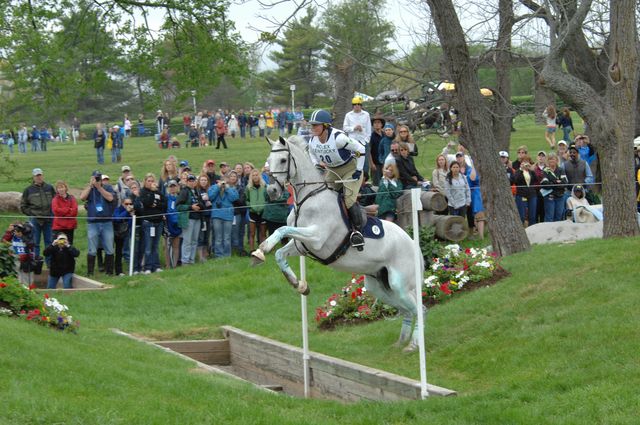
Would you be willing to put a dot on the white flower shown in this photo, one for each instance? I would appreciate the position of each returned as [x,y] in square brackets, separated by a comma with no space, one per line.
[52,302]
[353,281]
[332,303]
[364,289]
[484,264]
[435,266]
[5,312]
[453,249]
[430,282]
[459,274]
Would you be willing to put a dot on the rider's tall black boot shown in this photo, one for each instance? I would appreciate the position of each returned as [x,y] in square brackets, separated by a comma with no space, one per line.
[356,239]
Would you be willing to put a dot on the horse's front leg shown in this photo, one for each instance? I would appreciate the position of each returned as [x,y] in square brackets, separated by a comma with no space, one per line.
[281,255]
[307,235]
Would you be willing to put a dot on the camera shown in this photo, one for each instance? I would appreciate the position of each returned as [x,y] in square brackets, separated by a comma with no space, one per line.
[98,177]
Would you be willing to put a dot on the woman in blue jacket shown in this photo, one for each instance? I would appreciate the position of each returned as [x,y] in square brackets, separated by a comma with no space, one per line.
[222,198]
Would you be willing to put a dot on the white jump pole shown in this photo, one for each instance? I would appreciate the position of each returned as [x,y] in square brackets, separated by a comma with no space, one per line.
[416,204]
[305,329]
[132,244]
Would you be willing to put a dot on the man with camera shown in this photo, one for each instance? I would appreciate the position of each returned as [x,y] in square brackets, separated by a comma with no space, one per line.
[63,261]
[99,200]
[19,236]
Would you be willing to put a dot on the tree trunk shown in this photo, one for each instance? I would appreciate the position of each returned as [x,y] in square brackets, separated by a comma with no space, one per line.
[612,117]
[622,89]
[503,112]
[507,234]
[345,86]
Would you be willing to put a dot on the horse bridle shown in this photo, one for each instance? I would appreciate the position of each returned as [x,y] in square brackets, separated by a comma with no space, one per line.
[290,159]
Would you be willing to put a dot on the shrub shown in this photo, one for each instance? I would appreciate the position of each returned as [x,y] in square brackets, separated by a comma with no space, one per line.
[19,301]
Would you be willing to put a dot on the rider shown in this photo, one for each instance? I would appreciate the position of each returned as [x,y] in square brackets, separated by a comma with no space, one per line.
[331,149]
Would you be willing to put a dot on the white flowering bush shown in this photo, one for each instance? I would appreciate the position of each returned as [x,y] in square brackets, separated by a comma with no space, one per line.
[455,268]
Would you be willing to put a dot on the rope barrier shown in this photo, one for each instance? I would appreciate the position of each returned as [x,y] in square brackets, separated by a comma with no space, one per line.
[209,210]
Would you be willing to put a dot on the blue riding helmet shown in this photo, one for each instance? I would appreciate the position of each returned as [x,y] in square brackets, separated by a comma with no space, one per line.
[320,116]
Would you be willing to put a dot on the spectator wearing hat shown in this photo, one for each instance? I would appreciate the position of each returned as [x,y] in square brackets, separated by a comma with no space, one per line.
[209,168]
[19,236]
[577,199]
[122,231]
[194,136]
[384,148]
[65,210]
[563,152]
[63,262]
[100,201]
[221,130]
[224,169]
[36,204]
[116,144]
[190,205]
[357,125]
[35,139]
[377,133]
[121,185]
[504,160]
[99,142]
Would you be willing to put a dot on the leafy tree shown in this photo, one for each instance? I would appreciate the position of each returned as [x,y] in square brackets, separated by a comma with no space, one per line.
[357,45]
[298,63]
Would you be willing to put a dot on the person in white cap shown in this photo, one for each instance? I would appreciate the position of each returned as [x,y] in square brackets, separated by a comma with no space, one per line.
[36,204]
[63,262]
[116,144]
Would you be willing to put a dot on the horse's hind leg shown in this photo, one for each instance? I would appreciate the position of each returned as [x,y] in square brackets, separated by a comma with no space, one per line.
[281,258]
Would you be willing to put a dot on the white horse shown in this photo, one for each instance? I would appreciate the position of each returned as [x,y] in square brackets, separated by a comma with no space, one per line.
[316,228]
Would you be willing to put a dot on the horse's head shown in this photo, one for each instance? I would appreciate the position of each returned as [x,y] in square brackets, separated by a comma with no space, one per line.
[281,168]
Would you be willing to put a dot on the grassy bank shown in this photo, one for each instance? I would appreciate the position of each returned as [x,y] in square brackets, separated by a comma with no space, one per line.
[556,342]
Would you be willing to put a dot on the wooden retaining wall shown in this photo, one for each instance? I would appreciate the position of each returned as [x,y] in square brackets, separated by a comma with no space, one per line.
[268,362]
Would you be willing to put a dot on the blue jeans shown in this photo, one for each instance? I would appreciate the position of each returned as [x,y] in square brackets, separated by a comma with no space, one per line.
[221,237]
[553,208]
[52,282]
[566,131]
[115,153]
[100,154]
[22,147]
[151,243]
[237,231]
[532,203]
[243,131]
[190,241]
[100,235]
[43,229]
[35,145]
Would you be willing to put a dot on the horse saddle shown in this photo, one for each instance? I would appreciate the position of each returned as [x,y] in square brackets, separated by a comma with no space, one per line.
[372,228]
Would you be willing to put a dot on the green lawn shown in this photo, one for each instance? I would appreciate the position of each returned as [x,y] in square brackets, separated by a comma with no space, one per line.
[555,343]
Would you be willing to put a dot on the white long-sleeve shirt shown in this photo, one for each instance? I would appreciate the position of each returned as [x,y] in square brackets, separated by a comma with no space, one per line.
[351,120]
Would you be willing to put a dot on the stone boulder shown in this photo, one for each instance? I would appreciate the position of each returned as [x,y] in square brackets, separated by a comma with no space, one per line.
[10,201]
[563,231]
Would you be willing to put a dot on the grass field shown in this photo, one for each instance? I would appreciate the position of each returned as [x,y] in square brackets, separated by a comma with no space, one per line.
[554,343]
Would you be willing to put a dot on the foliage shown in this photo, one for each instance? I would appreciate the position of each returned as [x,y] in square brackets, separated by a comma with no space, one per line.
[19,301]
[7,267]
[298,63]
[429,244]
[352,304]
[454,269]
[356,36]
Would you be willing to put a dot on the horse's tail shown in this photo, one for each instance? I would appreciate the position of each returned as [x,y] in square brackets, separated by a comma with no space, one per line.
[383,276]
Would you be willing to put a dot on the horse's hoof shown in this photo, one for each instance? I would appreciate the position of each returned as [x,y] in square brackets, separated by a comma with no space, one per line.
[303,288]
[257,257]
[410,348]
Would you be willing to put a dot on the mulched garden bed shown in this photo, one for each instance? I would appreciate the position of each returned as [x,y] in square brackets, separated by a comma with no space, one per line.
[498,274]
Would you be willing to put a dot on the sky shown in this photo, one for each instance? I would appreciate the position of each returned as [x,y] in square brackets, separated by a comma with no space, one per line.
[251,18]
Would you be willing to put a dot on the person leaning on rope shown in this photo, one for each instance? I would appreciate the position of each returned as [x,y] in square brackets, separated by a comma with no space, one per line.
[342,159]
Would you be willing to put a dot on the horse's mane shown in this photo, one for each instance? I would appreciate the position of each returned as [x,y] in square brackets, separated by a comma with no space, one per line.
[300,142]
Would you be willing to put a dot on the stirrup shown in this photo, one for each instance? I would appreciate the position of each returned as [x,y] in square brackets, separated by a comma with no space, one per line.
[357,240]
